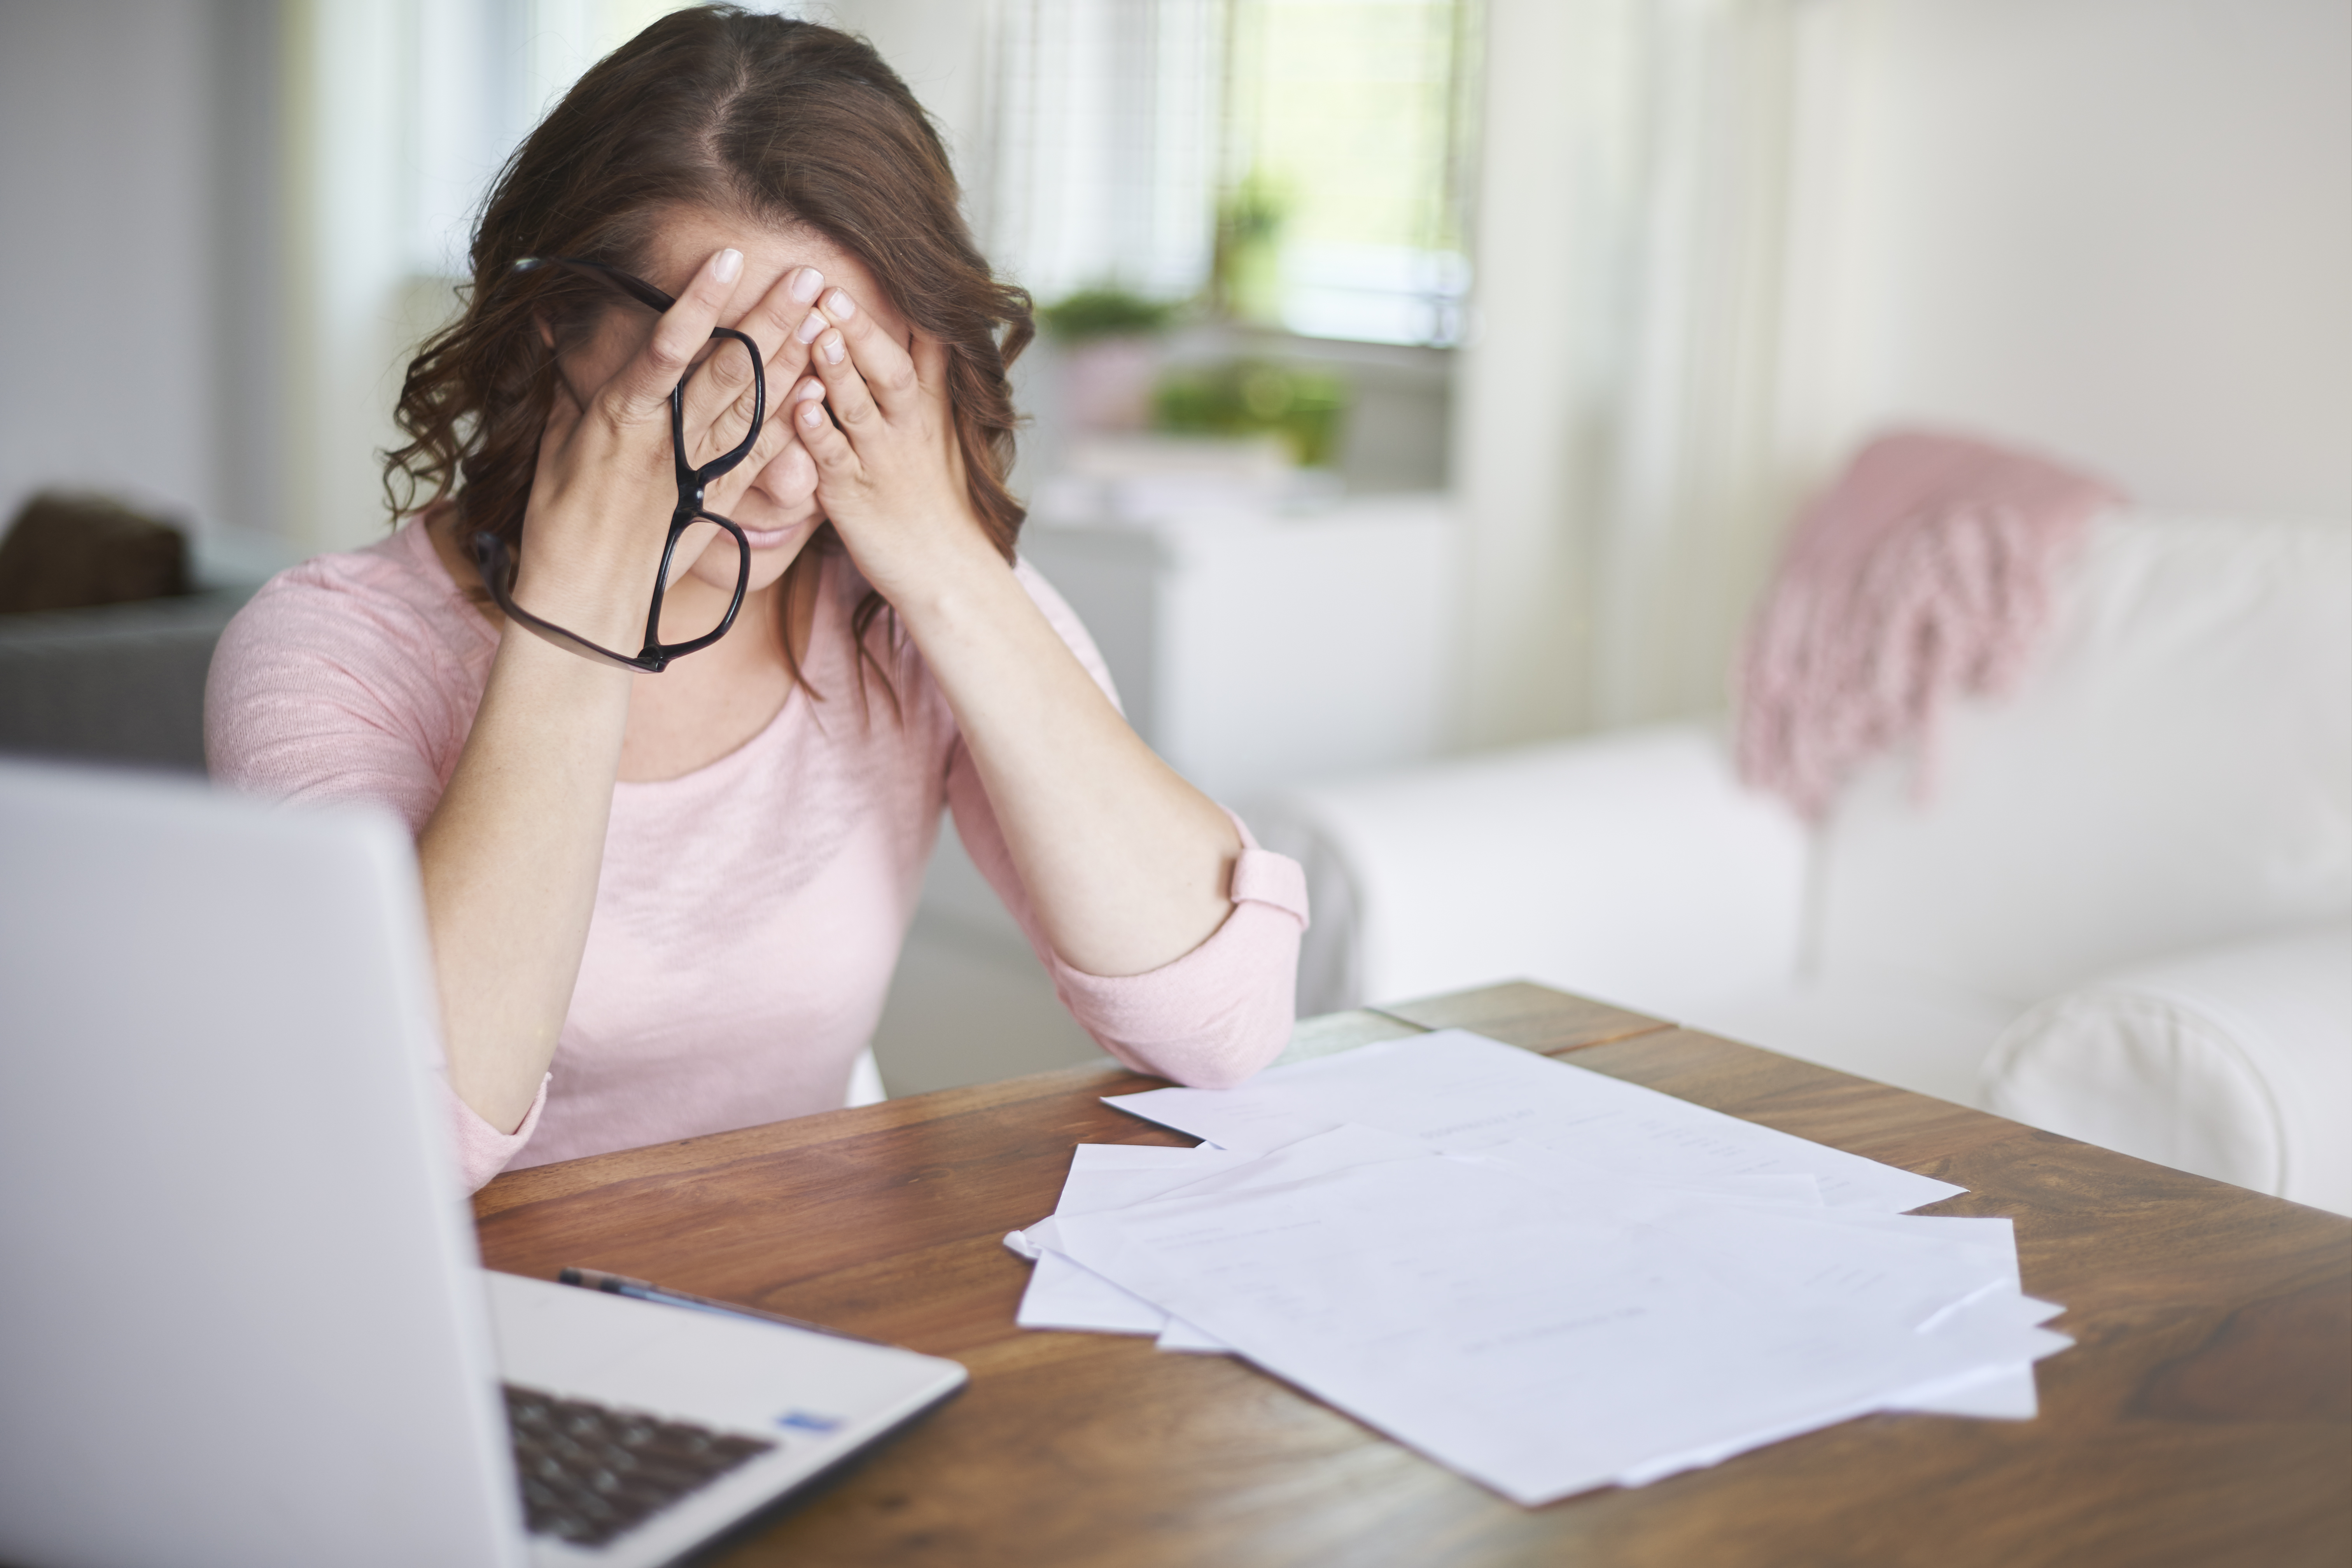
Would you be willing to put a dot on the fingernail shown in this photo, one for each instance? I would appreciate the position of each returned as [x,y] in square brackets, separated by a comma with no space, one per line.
[832,349]
[805,284]
[811,328]
[840,306]
[727,265]
[808,389]
[811,413]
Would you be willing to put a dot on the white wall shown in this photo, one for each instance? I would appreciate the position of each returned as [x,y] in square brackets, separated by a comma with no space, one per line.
[106,281]
[139,284]
[2120,229]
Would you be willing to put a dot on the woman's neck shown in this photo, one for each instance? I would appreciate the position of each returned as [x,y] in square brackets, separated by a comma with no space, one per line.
[711,702]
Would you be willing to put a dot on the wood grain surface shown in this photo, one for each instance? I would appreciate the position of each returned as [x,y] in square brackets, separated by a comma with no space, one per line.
[2204,1416]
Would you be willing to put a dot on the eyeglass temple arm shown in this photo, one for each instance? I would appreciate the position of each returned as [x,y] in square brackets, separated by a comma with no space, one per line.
[635,288]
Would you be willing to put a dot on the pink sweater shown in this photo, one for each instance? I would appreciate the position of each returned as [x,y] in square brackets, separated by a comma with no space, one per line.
[748,914]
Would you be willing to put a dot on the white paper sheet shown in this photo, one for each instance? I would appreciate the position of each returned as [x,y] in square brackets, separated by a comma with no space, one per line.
[2005,1393]
[1065,1296]
[1543,1348]
[1181,1336]
[1544,1278]
[1061,1294]
[1462,1091]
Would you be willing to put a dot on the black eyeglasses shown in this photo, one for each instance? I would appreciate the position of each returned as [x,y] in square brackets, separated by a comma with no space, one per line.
[498,566]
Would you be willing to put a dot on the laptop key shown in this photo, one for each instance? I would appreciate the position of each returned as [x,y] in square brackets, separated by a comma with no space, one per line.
[590,1474]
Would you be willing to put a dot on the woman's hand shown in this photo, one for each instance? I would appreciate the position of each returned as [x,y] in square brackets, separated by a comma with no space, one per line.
[890,472]
[606,486]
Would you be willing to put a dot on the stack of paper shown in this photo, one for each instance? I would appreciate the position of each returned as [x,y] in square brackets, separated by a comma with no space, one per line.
[1545,1278]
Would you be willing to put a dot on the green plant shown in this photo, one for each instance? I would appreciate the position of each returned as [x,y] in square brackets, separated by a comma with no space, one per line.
[1105,312]
[1306,408]
[1245,267]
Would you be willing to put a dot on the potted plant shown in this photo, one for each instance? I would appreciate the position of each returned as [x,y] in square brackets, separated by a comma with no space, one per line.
[1109,341]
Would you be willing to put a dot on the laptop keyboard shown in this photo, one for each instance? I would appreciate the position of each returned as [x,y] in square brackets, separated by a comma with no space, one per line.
[591,1473]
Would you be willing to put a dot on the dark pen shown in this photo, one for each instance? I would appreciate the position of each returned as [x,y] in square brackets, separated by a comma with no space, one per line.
[639,1290]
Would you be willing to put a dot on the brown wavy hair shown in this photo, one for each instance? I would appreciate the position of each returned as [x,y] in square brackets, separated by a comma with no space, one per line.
[789,124]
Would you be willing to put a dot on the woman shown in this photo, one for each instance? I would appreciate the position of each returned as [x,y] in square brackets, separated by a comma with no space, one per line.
[670,903]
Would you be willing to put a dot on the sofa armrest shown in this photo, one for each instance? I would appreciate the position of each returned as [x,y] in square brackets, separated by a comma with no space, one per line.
[1630,866]
[2234,1062]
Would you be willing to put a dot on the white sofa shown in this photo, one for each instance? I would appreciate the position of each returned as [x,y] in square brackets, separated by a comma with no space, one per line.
[2173,776]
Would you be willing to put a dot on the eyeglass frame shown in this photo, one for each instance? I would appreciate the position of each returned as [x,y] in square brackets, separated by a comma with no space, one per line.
[491,553]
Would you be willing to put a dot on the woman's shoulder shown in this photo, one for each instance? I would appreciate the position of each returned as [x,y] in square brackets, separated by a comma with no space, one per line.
[387,604]
[355,674]
[402,570]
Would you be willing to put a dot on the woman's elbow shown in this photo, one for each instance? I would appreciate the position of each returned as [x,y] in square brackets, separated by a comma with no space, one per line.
[1214,1019]
[1232,1048]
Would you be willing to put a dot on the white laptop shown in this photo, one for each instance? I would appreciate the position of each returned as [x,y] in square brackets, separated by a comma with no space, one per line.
[243,1321]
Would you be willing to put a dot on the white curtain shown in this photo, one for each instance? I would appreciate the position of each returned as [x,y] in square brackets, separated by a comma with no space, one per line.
[1657,219]
[1104,141]
[1695,493]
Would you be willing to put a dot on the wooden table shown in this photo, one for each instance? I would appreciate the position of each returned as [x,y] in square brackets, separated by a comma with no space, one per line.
[2204,1417]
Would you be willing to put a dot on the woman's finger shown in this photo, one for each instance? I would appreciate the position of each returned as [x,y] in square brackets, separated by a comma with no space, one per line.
[853,404]
[775,432]
[881,360]
[775,440]
[719,399]
[642,389]
[836,460]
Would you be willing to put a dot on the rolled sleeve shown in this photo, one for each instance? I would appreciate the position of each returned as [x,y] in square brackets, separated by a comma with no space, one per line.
[1223,1010]
[482,1150]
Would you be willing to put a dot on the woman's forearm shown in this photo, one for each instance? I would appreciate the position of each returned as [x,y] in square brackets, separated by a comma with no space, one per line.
[510,855]
[1126,866]
[510,858]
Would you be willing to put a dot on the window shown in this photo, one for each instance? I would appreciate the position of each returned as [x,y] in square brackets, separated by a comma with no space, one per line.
[1341,148]
[1297,161]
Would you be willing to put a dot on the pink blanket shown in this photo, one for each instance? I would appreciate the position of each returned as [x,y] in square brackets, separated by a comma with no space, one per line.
[1926,572]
